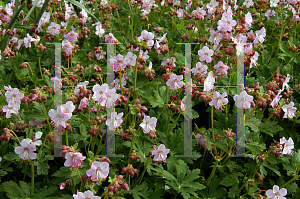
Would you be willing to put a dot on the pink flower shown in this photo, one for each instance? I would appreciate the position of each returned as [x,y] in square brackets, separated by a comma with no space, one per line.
[38,124]
[111,98]
[200,138]
[288,145]
[71,36]
[270,13]
[289,110]
[260,34]
[221,68]
[209,82]
[226,23]
[243,100]
[147,37]
[98,171]
[59,117]
[56,82]
[131,58]
[83,103]
[68,107]
[253,59]
[200,69]
[175,81]
[80,85]
[27,41]
[14,96]
[248,3]
[276,99]
[54,28]
[110,38]
[26,150]
[11,108]
[148,123]
[168,61]
[182,105]
[161,153]
[84,15]
[62,186]
[67,46]
[119,62]
[219,100]
[285,83]
[114,121]
[205,54]
[86,195]
[100,93]
[117,83]
[276,193]
[211,6]
[73,159]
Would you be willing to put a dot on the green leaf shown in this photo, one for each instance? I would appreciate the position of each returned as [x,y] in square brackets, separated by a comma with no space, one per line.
[42,193]
[271,128]
[229,180]
[157,99]
[13,191]
[140,190]
[179,58]
[84,8]
[2,173]
[253,123]
[266,56]
[297,58]
[11,156]
[285,50]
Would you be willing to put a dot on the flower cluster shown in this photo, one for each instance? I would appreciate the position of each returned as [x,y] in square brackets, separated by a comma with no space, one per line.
[13,98]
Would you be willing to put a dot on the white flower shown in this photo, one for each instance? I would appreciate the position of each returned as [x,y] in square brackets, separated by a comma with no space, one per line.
[288,145]
[80,85]
[289,110]
[148,123]
[276,193]
[285,83]
[209,82]
[114,121]
[243,100]
[161,153]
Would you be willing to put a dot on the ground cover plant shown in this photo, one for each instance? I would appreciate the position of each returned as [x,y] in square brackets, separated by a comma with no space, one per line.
[153,43]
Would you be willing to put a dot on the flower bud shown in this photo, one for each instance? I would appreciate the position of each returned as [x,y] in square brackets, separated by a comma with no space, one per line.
[111,188]
[116,190]
[125,186]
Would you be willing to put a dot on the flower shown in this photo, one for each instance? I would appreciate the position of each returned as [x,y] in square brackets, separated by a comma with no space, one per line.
[73,159]
[276,193]
[83,103]
[148,123]
[112,97]
[110,38]
[276,99]
[80,85]
[98,171]
[182,105]
[253,59]
[131,58]
[68,107]
[100,93]
[26,150]
[243,100]
[71,36]
[200,69]
[284,83]
[200,138]
[99,30]
[56,82]
[161,153]
[38,124]
[86,195]
[27,41]
[54,28]
[205,54]
[62,186]
[270,13]
[35,140]
[11,108]
[219,100]
[59,117]
[260,34]
[147,37]
[14,95]
[288,145]
[175,81]
[209,82]
[289,110]
[273,3]
[119,62]
[221,68]
[115,121]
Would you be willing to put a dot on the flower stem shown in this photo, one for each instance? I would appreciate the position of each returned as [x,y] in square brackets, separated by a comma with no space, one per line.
[135,77]
[213,171]
[67,140]
[175,122]
[212,122]
[104,192]
[32,178]
[290,181]
[73,185]
[132,142]
[46,116]
[41,147]
[147,162]
[121,87]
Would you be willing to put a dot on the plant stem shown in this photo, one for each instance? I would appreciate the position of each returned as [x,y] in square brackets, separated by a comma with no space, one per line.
[41,147]
[32,178]
[135,77]
[175,122]
[120,78]
[73,185]
[213,171]
[212,122]
[141,177]
[25,171]
[291,180]
[67,140]
[132,142]
[46,116]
